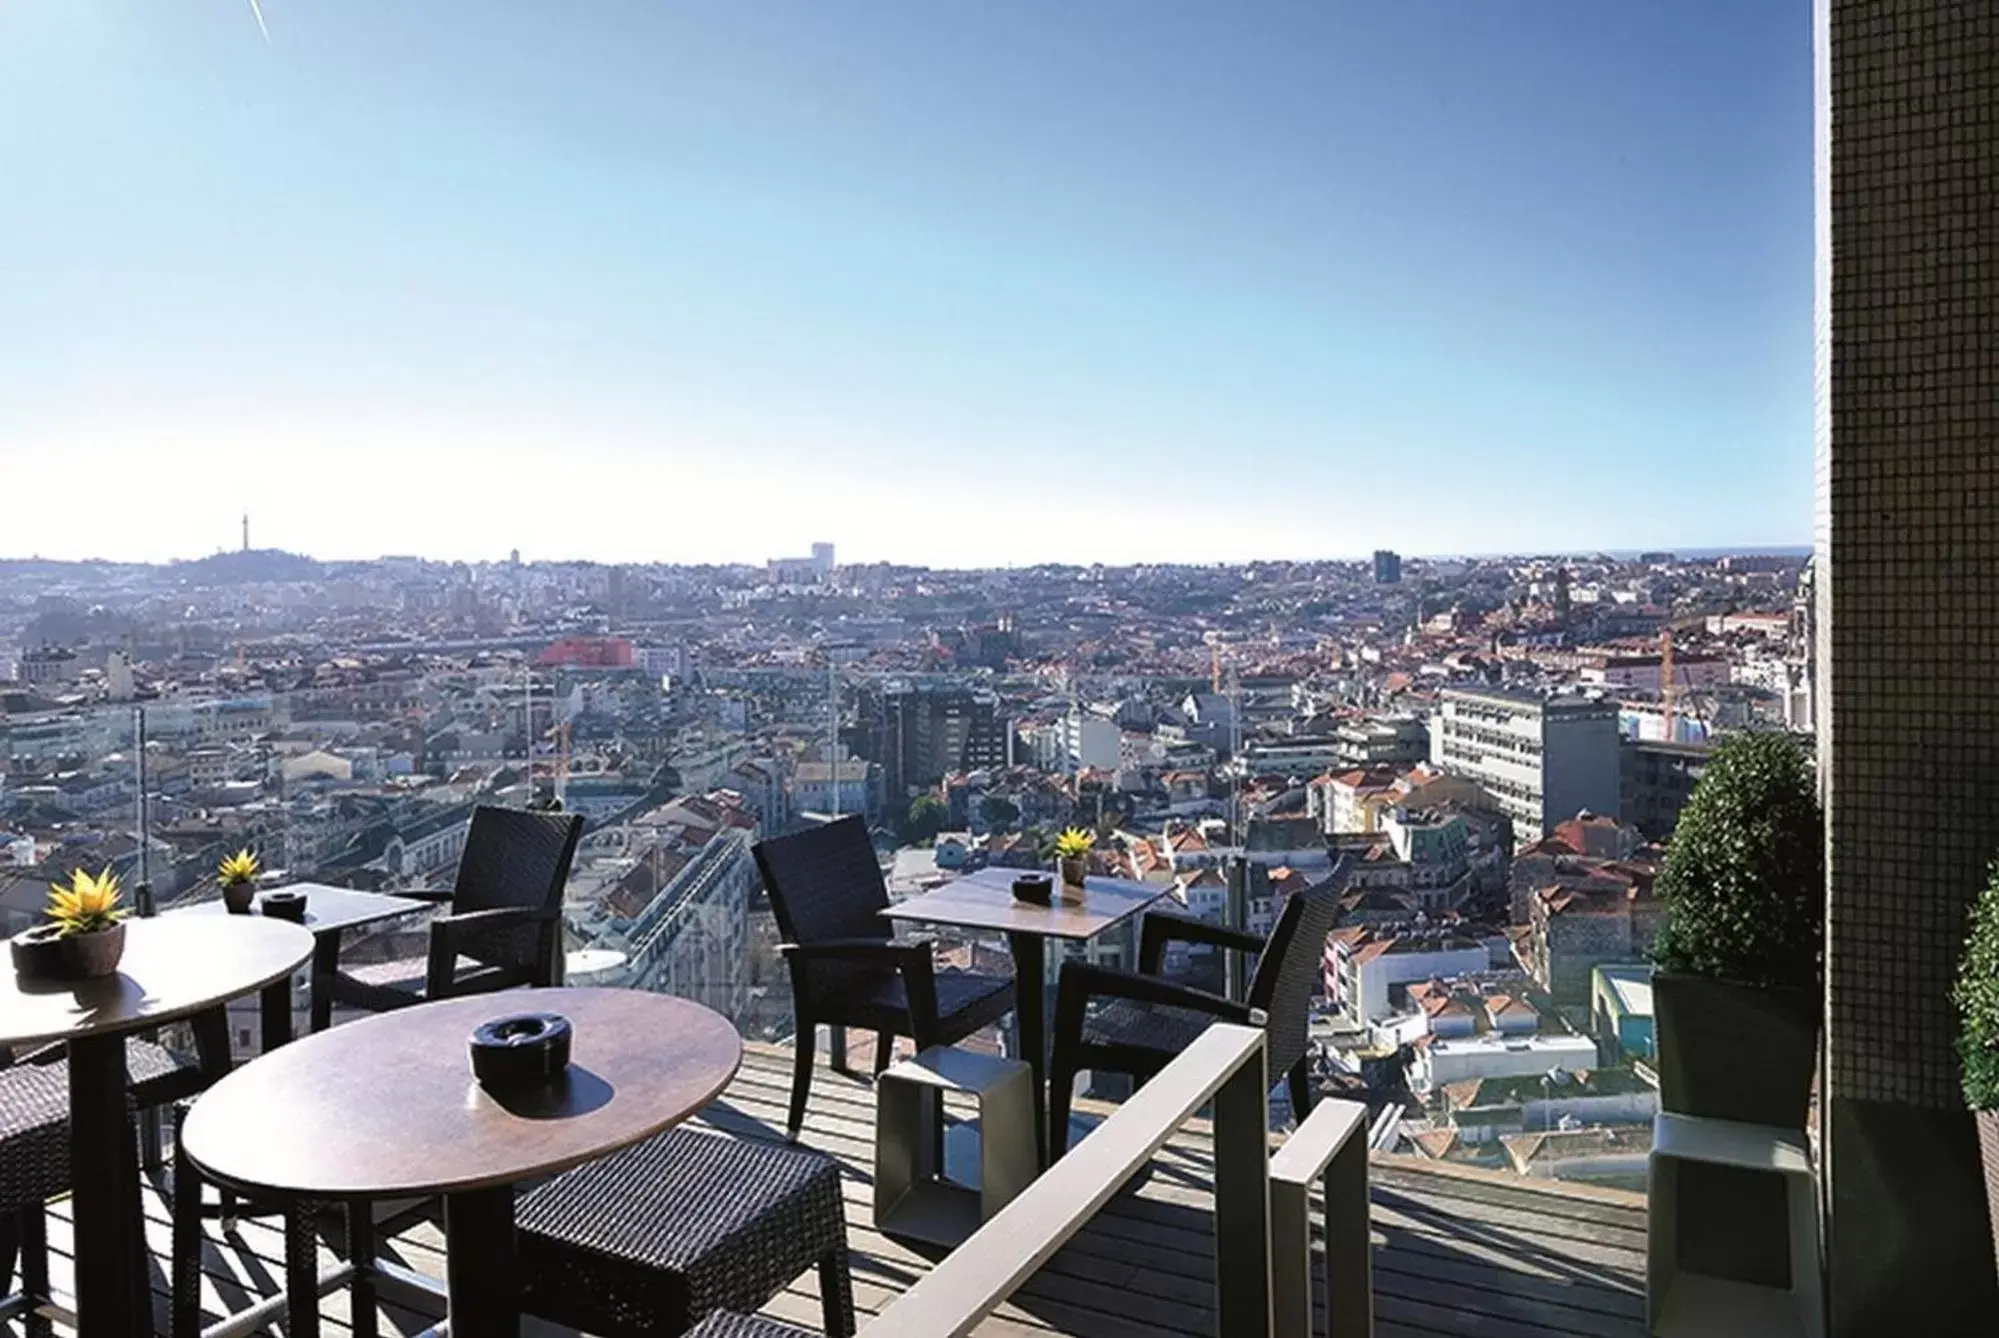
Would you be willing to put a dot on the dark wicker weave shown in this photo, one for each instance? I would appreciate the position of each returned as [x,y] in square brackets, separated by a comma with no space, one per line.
[651,1239]
[502,929]
[34,1168]
[728,1324]
[1143,1020]
[827,892]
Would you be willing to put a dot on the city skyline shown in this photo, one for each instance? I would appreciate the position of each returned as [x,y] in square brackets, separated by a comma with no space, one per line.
[1131,286]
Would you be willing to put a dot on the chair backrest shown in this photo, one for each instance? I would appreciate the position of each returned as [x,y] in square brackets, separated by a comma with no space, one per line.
[825,883]
[1289,970]
[515,858]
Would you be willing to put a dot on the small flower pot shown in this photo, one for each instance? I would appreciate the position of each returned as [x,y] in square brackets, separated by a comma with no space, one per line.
[46,953]
[1074,871]
[236,897]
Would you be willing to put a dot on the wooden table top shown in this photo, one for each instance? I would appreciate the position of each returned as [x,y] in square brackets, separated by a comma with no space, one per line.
[985,900]
[328,909]
[174,967]
[387,1107]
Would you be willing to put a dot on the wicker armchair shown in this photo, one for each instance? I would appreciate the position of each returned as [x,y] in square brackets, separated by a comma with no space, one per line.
[503,928]
[34,1168]
[1143,1020]
[652,1239]
[827,892]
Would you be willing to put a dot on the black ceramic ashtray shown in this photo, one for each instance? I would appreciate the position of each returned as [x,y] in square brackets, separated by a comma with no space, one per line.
[1038,888]
[520,1050]
[284,906]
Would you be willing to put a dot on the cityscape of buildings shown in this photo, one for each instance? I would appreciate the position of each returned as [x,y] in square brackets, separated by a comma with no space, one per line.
[1485,756]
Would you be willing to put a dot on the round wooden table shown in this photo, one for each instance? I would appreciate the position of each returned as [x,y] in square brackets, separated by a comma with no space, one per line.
[387,1108]
[173,968]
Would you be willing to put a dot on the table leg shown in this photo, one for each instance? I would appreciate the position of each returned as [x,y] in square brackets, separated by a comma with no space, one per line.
[275,1005]
[325,961]
[1030,1004]
[108,1295]
[479,1268]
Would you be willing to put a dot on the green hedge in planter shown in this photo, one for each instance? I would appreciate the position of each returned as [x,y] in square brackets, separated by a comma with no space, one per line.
[1744,879]
[1977,998]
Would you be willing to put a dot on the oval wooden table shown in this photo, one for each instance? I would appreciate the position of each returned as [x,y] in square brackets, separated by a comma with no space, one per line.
[387,1108]
[172,969]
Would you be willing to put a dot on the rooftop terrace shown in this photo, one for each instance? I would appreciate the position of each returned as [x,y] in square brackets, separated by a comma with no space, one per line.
[1456,1251]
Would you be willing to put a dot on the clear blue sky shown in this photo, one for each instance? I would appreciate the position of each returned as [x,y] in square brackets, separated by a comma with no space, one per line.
[1123,280]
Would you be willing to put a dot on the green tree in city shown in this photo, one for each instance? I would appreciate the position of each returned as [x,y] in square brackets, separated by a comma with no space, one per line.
[926,817]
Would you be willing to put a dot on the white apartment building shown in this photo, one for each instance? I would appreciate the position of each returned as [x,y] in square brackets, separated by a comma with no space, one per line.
[1543,758]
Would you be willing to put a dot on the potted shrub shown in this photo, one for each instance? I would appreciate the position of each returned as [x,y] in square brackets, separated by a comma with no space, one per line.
[1977,999]
[238,875]
[1072,855]
[85,935]
[1739,988]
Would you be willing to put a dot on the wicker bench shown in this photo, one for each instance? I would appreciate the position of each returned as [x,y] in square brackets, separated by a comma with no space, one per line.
[652,1239]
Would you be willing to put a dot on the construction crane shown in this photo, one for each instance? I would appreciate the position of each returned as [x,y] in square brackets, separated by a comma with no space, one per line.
[1669,689]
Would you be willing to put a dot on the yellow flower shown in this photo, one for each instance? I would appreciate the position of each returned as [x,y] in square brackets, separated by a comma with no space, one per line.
[1074,843]
[87,904]
[240,867]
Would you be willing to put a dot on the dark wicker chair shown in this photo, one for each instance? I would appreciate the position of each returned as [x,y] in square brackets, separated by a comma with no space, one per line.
[728,1324]
[827,892]
[34,1168]
[651,1239]
[503,928]
[1144,1020]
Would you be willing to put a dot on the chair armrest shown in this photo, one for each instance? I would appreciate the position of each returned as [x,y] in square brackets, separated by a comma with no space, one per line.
[1082,982]
[450,935]
[879,951]
[435,895]
[1158,928]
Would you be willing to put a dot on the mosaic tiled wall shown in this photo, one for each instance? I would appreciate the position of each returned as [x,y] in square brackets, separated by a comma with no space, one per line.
[1907,523]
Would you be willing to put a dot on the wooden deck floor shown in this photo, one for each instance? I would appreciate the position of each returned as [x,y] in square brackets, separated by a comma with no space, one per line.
[1456,1252]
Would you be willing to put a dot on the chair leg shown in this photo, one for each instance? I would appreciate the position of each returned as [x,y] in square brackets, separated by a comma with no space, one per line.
[801,1075]
[152,1155]
[301,1273]
[361,1253]
[32,1223]
[836,1296]
[10,1247]
[884,1049]
[1061,1091]
[185,1308]
[1300,1081]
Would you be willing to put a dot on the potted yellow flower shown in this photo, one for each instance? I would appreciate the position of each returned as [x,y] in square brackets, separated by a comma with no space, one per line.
[1072,855]
[238,875]
[85,935]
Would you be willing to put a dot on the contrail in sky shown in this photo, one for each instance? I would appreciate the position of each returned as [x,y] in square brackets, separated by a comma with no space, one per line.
[257,11]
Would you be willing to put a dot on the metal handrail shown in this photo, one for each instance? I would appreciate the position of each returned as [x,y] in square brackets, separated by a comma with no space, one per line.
[1225,1066]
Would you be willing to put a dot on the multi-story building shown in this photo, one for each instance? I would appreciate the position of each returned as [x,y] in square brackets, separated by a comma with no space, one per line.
[1387,567]
[1383,741]
[1542,757]
[1655,782]
[853,785]
[919,734]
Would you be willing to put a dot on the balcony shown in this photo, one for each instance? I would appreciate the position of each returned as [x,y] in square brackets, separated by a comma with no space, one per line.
[1456,1251]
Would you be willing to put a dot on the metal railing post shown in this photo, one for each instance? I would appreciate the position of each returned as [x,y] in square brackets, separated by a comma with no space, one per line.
[1242,1201]
[1236,963]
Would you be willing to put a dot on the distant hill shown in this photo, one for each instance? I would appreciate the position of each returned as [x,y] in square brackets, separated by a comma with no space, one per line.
[248,567]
